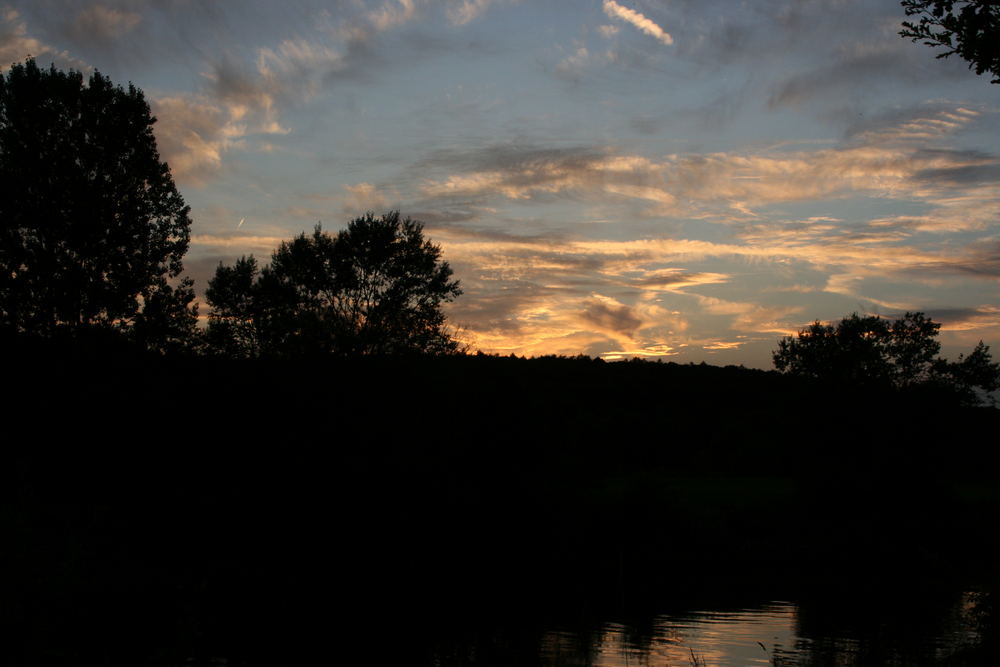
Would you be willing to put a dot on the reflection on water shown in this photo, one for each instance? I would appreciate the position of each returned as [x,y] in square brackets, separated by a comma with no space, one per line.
[747,637]
[768,635]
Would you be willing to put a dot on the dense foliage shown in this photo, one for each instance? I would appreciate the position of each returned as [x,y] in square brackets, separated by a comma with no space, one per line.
[969,28]
[92,229]
[879,353]
[376,287]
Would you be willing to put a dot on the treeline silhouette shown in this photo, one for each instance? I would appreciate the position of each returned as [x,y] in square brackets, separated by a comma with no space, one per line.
[244,504]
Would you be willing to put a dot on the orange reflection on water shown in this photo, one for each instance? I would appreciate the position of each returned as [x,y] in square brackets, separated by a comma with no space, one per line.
[715,639]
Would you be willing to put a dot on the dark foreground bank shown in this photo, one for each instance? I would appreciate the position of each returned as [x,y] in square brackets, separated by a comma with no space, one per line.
[161,510]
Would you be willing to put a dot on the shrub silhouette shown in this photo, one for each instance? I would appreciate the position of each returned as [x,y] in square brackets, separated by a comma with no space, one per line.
[92,228]
[376,287]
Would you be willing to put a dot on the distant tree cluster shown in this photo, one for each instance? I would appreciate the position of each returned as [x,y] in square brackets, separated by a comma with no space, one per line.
[879,353]
[376,287]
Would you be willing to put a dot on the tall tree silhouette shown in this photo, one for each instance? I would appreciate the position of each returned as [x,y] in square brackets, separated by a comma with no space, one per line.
[377,287]
[92,228]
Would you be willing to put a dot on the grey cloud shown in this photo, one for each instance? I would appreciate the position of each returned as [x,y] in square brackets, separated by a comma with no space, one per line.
[723,33]
[510,157]
[489,310]
[467,233]
[360,60]
[646,124]
[619,319]
[232,81]
[955,315]
[445,217]
[980,260]
[101,24]
[158,30]
[955,155]
[717,113]
[984,259]
[856,67]
[961,176]
[848,71]
[424,43]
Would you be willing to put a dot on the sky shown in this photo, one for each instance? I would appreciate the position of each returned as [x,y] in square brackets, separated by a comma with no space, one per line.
[686,180]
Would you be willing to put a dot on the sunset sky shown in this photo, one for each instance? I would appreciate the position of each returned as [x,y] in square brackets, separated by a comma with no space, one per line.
[678,179]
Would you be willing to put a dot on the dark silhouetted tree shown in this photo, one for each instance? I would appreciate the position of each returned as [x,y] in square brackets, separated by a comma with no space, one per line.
[376,287]
[969,28]
[971,372]
[92,229]
[233,322]
[875,352]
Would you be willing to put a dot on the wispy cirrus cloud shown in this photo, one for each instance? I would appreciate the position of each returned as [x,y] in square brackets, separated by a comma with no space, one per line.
[725,184]
[914,124]
[646,25]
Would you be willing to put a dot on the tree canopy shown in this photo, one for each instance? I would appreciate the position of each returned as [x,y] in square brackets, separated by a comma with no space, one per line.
[876,352]
[377,287]
[969,28]
[92,228]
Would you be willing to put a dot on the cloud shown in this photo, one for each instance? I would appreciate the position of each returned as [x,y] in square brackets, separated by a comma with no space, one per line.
[852,68]
[237,241]
[982,259]
[193,134]
[605,314]
[752,316]
[912,124]
[16,44]
[363,197]
[538,294]
[102,23]
[392,14]
[616,11]
[964,175]
[571,65]
[288,74]
[965,319]
[608,31]
[673,279]
[196,130]
[728,186]
[462,12]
